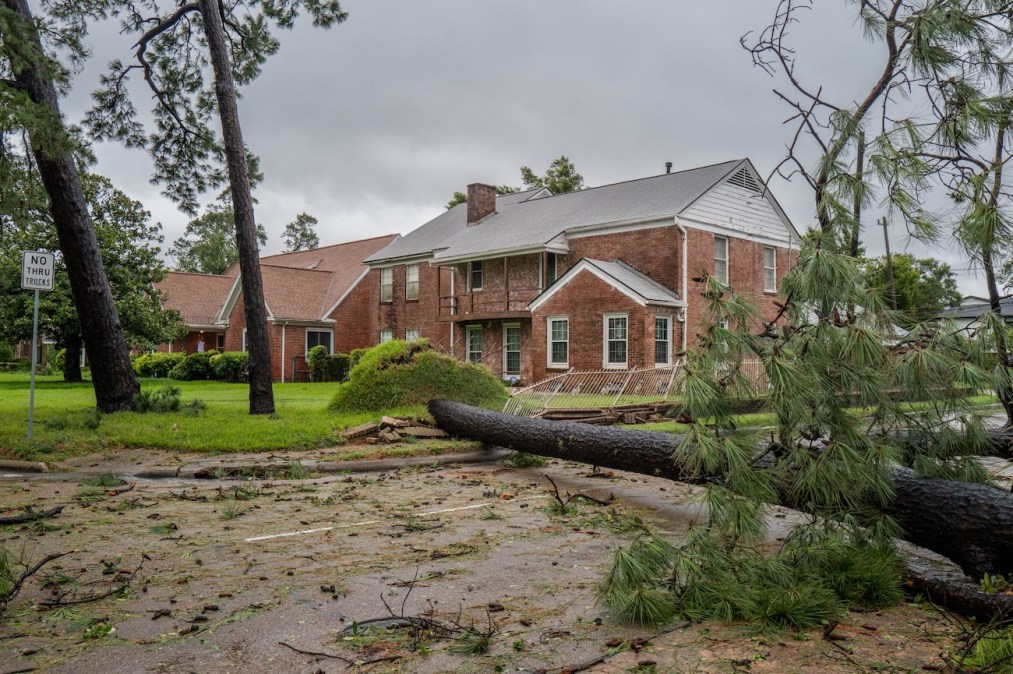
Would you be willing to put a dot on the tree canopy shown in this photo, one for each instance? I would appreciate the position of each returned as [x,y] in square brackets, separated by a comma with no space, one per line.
[924,286]
[559,178]
[300,234]
[208,245]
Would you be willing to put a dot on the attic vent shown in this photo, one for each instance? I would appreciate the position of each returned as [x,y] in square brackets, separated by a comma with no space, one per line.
[745,180]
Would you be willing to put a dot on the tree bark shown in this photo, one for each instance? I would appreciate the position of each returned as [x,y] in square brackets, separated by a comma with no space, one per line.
[72,358]
[261,391]
[112,375]
[968,523]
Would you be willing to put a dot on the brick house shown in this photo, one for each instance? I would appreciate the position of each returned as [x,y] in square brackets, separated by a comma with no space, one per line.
[317,296]
[533,283]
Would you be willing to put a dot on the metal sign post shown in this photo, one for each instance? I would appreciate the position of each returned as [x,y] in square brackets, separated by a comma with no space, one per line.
[37,271]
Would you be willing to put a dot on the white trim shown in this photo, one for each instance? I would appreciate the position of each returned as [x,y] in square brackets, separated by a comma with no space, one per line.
[471,288]
[345,294]
[727,230]
[418,276]
[502,252]
[389,270]
[230,301]
[520,350]
[728,254]
[306,340]
[654,342]
[605,341]
[549,365]
[246,347]
[584,265]
[620,226]
[469,330]
[765,268]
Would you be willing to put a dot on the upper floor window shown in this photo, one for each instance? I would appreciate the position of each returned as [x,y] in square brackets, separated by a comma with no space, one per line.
[551,268]
[411,282]
[474,343]
[387,284]
[615,340]
[721,259]
[318,338]
[386,336]
[411,334]
[769,269]
[559,342]
[662,340]
[476,275]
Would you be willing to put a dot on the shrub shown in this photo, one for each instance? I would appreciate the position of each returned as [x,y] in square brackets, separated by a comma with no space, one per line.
[157,364]
[317,361]
[233,366]
[356,355]
[195,366]
[398,373]
[59,360]
[6,352]
[338,367]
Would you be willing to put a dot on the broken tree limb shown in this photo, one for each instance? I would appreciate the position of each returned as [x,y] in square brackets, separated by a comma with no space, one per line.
[967,523]
[31,515]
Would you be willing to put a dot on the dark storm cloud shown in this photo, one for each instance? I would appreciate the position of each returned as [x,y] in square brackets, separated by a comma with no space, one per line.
[372,125]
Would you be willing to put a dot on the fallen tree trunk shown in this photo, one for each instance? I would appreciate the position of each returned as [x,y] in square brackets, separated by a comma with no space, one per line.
[967,523]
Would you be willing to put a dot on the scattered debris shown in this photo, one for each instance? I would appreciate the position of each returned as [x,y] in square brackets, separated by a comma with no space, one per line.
[31,515]
[391,430]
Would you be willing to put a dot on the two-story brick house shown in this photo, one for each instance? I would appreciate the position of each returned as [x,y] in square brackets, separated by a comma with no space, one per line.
[534,283]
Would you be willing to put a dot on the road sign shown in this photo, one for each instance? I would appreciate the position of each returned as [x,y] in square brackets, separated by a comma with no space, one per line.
[37,270]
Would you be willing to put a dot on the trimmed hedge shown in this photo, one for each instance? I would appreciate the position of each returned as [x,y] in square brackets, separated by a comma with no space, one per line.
[398,374]
[233,366]
[327,368]
[157,364]
[194,367]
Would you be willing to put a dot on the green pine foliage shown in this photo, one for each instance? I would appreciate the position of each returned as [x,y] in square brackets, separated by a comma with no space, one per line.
[400,374]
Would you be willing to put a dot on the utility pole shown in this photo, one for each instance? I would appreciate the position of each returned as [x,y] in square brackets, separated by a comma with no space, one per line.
[889,265]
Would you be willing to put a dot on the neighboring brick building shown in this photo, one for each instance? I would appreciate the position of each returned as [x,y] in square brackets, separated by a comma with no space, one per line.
[319,296]
[534,283]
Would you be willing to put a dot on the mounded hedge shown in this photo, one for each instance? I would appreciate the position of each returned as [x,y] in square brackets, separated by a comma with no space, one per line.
[398,373]
[194,367]
[229,366]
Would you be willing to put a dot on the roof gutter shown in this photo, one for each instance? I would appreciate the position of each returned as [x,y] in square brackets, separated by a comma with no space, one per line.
[685,280]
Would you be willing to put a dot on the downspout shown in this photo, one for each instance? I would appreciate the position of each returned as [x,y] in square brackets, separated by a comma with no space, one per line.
[283,331]
[453,308]
[685,282]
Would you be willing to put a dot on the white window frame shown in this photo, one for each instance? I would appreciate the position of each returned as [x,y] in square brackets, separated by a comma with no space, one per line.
[386,336]
[770,271]
[606,340]
[668,340]
[411,334]
[386,285]
[470,354]
[506,351]
[471,275]
[721,263]
[549,342]
[329,333]
[411,285]
[245,345]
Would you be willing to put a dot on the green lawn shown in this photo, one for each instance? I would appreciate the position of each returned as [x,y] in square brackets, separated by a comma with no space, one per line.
[65,412]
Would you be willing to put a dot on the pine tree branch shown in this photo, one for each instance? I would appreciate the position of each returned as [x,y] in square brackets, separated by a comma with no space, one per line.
[141,46]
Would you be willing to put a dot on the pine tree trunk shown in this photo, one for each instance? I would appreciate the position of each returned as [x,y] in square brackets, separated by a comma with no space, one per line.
[112,375]
[261,391]
[72,358]
[967,523]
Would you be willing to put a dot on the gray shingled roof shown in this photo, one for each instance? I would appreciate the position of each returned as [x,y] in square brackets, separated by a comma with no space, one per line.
[971,310]
[521,223]
[647,288]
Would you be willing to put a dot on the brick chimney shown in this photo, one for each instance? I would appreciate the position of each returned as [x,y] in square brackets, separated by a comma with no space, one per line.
[481,202]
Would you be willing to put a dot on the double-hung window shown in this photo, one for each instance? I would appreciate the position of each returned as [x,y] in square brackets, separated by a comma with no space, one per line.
[387,284]
[386,335]
[559,342]
[512,349]
[411,334]
[474,336]
[411,281]
[615,340]
[721,259]
[318,338]
[476,275]
[662,340]
[769,269]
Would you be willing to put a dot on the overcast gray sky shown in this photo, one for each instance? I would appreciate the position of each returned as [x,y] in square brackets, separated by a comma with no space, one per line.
[372,125]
